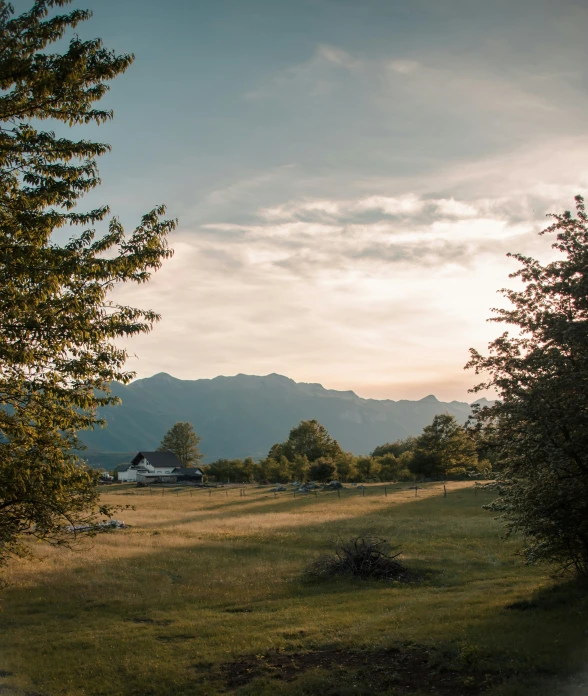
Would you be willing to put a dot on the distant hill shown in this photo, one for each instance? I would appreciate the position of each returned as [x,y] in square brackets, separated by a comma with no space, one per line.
[244,415]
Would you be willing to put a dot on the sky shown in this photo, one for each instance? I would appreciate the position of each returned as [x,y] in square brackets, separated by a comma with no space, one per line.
[348,177]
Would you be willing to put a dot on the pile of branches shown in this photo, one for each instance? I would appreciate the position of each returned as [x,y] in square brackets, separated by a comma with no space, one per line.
[362,557]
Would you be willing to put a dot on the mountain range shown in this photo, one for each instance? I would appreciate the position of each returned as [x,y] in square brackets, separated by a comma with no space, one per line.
[245,415]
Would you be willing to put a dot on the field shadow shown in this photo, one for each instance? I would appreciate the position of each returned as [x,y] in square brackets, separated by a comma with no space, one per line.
[501,640]
[261,503]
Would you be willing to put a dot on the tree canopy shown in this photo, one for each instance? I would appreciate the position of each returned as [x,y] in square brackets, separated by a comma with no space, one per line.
[396,448]
[539,424]
[444,449]
[308,439]
[183,442]
[57,347]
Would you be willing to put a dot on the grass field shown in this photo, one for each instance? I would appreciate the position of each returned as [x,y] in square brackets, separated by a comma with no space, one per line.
[204,594]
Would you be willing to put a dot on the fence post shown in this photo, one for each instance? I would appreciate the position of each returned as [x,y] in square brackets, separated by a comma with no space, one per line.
[416,491]
[444,491]
[385,492]
[363,491]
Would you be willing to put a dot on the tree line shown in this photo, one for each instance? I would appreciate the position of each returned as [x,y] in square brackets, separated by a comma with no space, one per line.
[444,450]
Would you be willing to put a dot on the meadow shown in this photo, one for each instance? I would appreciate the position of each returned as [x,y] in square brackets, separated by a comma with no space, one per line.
[204,594]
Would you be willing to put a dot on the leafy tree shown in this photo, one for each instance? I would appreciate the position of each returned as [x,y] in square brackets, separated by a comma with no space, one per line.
[390,467]
[280,449]
[405,465]
[323,469]
[309,439]
[539,424]
[396,459]
[183,442]
[277,470]
[346,467]
[396,448]
[484,436]
[300,467]
[231,470]
[57,336]
[367,468]
[220,470]
[250,469]
[444,449]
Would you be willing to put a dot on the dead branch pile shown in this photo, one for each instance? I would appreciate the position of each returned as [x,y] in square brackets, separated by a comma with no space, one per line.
[363,557]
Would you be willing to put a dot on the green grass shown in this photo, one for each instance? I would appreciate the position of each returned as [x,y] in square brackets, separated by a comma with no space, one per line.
[201,581]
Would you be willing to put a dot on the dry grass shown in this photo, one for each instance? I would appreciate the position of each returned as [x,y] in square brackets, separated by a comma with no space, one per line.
[182,517]
[201,580]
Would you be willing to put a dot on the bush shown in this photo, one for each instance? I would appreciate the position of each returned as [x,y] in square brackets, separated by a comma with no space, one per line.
[363,557]
[322,470]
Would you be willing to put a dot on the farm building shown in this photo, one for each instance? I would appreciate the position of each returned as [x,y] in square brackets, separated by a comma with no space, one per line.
[158,467]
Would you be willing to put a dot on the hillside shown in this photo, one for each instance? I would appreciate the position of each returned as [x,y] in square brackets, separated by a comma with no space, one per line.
[244,415]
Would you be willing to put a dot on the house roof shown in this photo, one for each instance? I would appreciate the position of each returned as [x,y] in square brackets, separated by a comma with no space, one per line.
[159,459]
[123,467]
[188,471]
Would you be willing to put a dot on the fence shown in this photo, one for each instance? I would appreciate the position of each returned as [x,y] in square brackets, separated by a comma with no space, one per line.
[254,492]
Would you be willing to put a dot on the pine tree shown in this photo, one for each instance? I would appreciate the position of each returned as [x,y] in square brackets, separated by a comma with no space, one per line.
[183,442]
[57,350]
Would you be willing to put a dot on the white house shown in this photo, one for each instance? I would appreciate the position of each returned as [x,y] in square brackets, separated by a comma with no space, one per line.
[126,472]
[157,467]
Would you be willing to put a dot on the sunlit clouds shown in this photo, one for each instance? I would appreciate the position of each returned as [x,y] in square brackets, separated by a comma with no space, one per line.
[382,295]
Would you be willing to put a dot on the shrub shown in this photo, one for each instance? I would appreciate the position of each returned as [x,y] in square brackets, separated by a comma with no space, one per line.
[322,469]
[363,557]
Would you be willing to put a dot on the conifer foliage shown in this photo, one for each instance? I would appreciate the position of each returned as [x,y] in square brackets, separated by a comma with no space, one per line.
[58,325]
[539,425]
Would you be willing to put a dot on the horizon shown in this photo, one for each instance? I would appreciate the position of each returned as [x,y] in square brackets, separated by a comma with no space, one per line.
[348,178]
[319,384]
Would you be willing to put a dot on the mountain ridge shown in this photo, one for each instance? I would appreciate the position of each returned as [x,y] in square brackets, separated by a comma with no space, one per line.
[243,415]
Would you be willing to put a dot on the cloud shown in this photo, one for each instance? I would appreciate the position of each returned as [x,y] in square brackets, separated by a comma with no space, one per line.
[420,111]
[454,208]
[316,76]
[335,56]
[403,205]
[382,288]
[404,67]
[395,300]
